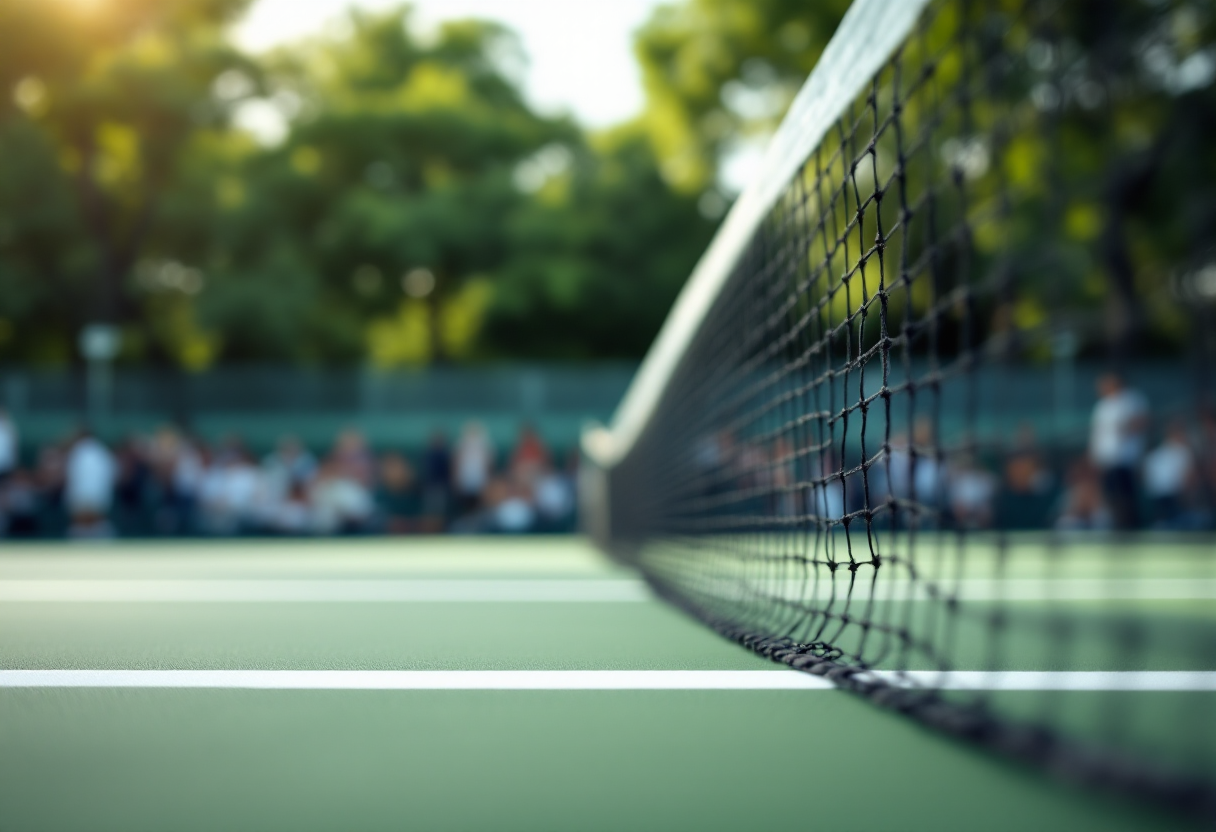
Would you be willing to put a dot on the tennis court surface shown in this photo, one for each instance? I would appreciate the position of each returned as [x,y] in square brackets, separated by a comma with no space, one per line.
[248,742]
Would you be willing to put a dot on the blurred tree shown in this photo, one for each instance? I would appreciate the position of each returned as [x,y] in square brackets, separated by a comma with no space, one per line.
[102,101]
[1140,150]
[1123,111]
[598,256]
[390,191]
[720,74]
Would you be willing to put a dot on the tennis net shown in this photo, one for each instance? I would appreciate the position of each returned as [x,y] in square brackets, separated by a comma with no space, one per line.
[867,442]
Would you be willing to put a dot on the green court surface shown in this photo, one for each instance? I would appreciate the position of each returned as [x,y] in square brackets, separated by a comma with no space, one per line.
[100,758]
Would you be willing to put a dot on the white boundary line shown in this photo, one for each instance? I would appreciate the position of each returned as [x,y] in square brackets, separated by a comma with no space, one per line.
[615,590]
[985,589]
[594,680]
[412,591]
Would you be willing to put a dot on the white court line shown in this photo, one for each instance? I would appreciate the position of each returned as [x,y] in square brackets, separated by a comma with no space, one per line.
[900,590]
[592,680]
[414,591]
[615,590]
[1086,589]
[1097,680]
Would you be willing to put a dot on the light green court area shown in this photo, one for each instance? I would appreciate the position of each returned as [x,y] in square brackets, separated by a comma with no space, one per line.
[133,759]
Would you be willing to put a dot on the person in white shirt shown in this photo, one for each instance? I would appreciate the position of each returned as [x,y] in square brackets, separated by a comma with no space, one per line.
[825,500]
[90,476]
[228,493]
[1169,470]
[340,503]
[909,472]
[972,491]
[1116,445]
[289,465]
[474,463]
[8,446]
[555,496]
[510,507]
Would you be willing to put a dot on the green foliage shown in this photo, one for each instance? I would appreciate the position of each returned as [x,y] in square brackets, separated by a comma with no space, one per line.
[599,257]
[721,73]
[417,209]
[402,161]
[137,201]
[100,107]
[1127,129]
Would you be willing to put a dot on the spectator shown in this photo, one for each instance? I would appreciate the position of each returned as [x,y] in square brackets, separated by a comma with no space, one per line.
[8,446]
[436,484]
[352,458]
[530,457]
[510,505]
[291,513]
[398,501]
[910,473]
[1169,474]
[19,505]
[50,479]
[785,501]
[229,492]
[341,503]
[972,491]
[1025,471]
[929,479]
[1082,507]
[90,476]
[728,458]
[555,497]
[1116,444]
[473,465]
[172,490]
[185,481]
[1027,497]
[825,501]
[288,465]
[133,487]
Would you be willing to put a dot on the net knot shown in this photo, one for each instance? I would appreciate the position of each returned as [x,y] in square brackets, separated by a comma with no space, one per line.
[821,650]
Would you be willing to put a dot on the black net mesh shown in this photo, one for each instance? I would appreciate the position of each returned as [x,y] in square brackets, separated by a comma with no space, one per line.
[879,459]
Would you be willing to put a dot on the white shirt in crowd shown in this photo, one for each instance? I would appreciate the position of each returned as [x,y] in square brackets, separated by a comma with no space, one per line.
[923,485]
[555,496]
[228,494]
[1167,469]
[339,500]
[474,461]
[90,475]
[972,489]
[8,445]
[826,500]
[280,471]
[1116,437]
[188,472]
[514,514]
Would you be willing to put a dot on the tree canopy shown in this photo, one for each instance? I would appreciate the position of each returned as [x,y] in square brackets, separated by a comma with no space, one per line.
[415,207]
[403,203]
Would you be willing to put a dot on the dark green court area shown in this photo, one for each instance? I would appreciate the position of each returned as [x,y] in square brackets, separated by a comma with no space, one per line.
[134,759]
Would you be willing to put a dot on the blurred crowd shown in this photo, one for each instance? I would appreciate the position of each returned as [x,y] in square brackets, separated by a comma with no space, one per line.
[1134,476]
[172,484]
[1136,472]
